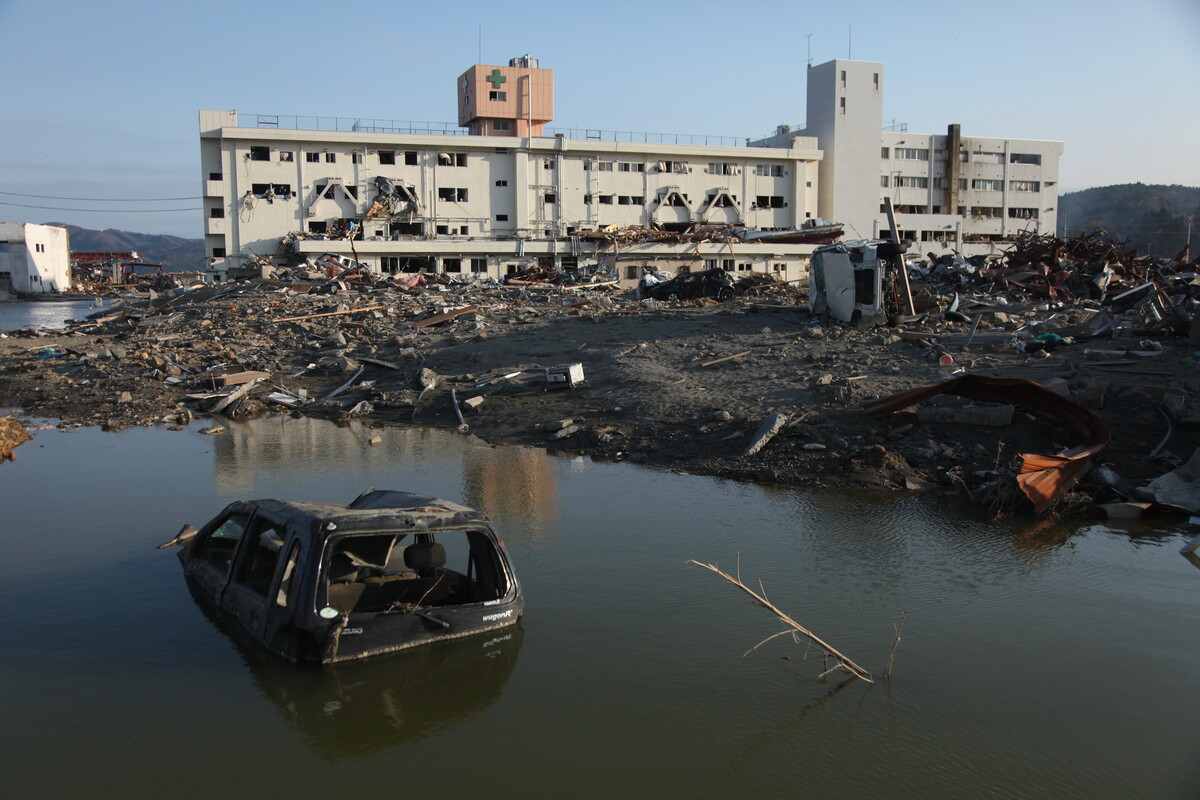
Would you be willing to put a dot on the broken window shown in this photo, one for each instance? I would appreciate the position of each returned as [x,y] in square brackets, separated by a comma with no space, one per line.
[478,265]
[216,213]
[452,159]
[606,199]
[587,199]
[1025,158]
[502,218]
[286,156]
[215,176]
[986,212]
[1022,213]
[623,200]
[1025,186]
[387,157]
[256,569]
[502,183]
[498,96]
[318,227]
[380,573]
[410,157]
[312,158]
[218,547]
[727,264]
[443,230]
[550,197]
[985,185]
[548,163]
[260,153]
[218,252]
[721,168]
[452,265]
[452,194]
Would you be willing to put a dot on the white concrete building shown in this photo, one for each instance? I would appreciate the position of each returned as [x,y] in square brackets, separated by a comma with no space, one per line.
[34,259]
[974,202]
[496,195]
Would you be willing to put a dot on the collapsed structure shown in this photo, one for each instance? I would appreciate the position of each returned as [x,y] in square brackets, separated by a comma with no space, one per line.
[503,194]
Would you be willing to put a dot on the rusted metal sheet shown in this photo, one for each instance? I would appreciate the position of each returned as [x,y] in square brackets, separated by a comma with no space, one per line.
[1043,476]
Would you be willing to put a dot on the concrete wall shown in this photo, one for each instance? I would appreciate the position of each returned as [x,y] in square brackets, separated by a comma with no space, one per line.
[34,259]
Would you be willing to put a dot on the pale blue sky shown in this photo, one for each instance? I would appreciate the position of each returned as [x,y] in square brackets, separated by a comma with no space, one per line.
[100,99]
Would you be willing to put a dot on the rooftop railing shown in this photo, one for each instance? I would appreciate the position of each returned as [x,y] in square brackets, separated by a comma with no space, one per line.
[365,125]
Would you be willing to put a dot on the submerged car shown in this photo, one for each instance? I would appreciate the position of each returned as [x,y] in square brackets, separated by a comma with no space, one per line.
[328,582]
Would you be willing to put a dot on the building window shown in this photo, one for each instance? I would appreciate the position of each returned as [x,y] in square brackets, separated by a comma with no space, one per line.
[502,183]
[548,163]
[218,252]
[312,158]
[318,227]
[500,125]
[883,181]
[216,176]
[452,265]
[913,153]
[499,97]
[842,104]
[452,194]
[389,265]
[877,81]
[987,185]
[502,218]
[286,156]
[331,158]
[912,182]
[452,159]
[770,201]
[260,153]
[387,157]
[727,264]
[410,158]
[843,77]
[443,230]
[1025,158]
[779,267]
[550,197]
[986,212]
[676,167]
[721,168]
[356,158]
[606,199]
[478,265]
[604,166]
[768,170]
[628,166]
[743,266]
[464,230]
[883,152]
[1022,213]
[587,199]
[1025,186]
[216,213]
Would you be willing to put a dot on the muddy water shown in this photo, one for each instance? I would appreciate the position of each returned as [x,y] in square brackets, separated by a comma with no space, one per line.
[45,314]
[1036,662]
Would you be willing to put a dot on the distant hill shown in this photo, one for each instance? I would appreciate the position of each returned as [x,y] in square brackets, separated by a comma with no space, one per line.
[1154,218]
[175,253]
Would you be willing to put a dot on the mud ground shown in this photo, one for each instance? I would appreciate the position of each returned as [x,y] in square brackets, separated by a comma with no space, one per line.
[650,395]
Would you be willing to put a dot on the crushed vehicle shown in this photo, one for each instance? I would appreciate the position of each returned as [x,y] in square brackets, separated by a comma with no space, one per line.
[849,280]
[328,582]
[688,285]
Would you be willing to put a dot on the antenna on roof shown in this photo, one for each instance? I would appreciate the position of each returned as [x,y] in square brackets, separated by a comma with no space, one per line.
[809,37]
[480,61]
[850,42]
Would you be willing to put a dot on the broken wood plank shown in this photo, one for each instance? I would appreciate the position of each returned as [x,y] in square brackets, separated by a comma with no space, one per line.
[235,395]
[726,358]
[236,378]
[449,315]
[329,313]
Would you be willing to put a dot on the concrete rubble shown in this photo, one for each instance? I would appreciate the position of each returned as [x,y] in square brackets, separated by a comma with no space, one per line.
[751,386]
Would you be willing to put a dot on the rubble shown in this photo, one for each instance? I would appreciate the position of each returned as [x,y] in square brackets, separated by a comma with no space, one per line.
[668,382]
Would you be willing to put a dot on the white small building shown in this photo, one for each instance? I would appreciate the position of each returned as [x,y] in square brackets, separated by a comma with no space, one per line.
[34,259]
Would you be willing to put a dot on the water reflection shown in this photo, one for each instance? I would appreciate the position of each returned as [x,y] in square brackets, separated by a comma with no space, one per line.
[354,709]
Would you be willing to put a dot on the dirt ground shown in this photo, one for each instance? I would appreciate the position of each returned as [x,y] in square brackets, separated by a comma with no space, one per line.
[652,393]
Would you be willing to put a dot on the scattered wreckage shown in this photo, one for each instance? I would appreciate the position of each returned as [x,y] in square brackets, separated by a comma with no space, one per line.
[328,582]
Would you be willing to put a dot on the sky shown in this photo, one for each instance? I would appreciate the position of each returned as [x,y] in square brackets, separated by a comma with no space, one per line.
[99,123]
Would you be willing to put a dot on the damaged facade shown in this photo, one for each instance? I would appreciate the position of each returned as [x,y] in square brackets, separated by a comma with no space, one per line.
[34,259]
[951,192]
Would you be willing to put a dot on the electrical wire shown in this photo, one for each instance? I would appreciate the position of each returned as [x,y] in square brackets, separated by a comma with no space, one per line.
[104,199]
[105,210]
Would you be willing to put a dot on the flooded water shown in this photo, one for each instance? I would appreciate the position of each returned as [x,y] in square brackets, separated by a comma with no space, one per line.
[43,314]
[1036,662]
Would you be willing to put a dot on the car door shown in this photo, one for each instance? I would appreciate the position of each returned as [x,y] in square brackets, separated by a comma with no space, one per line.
[254,573]
[215,550]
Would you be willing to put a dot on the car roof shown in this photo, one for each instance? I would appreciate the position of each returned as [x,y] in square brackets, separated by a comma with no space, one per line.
[374,510]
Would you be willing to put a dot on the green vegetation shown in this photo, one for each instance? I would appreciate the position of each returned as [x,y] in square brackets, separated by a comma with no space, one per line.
[1153,218]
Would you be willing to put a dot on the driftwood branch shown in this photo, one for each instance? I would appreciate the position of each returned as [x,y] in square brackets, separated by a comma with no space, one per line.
[887,671]
[795,627]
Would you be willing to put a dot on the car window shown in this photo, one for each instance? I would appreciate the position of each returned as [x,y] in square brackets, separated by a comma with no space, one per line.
[265,547]
[219,546]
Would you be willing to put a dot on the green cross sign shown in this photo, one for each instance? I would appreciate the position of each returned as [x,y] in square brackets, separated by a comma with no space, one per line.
[496,79]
